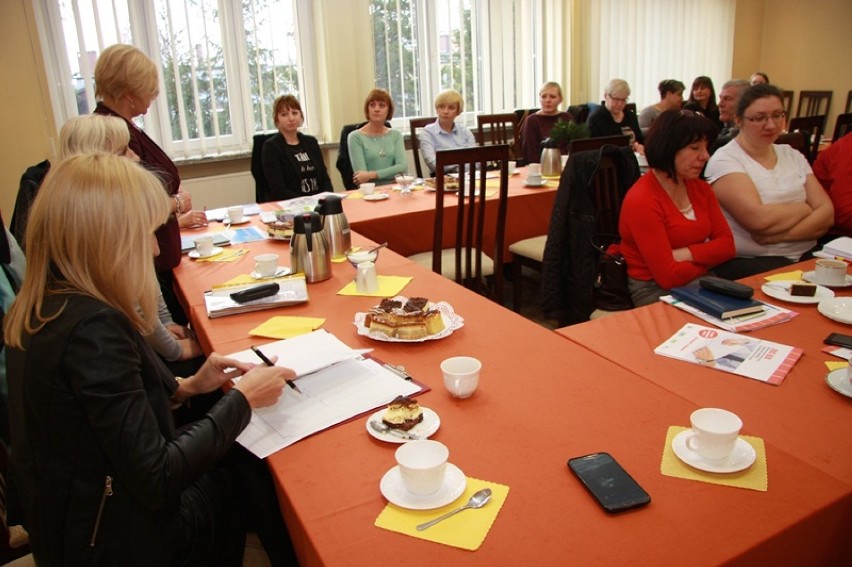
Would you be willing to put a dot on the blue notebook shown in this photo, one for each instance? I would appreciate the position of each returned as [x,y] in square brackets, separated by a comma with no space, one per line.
[716,304]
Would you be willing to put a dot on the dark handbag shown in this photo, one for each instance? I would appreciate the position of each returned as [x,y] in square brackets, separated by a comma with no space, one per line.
[610,287]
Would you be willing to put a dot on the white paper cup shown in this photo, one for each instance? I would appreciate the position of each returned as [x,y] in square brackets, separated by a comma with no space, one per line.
[830,272]
[714,433]
[513,165]
[204,245]
[422,465]
[235,214]
[367,188]
[461,375]
[266,264]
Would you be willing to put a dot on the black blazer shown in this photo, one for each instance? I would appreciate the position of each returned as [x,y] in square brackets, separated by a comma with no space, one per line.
[282,170]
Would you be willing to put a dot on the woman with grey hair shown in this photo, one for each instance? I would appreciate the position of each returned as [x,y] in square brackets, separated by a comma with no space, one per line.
[613,119]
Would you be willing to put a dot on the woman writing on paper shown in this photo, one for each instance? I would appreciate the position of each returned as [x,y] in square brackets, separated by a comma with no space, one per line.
[101,474]
[377,152]
[776,207]
[292,161]
[672,230]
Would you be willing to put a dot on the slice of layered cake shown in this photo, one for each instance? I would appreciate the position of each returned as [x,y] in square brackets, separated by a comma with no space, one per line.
[403,413]
[416,319]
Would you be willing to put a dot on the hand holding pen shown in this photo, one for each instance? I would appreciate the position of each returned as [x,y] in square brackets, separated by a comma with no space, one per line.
[268,362]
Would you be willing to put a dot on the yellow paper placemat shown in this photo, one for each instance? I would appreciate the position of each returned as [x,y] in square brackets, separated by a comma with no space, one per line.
[227,255]
[794,275]
[753,478]
[389,286]
[466,529]
[286,327]
[246,279]
[835,365]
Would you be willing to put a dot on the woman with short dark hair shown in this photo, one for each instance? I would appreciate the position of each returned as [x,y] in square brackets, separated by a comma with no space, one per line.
[376,151]
[672,230]
[702,98]
[671,98]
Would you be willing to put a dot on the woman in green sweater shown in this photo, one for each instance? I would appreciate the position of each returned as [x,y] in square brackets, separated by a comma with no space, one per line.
[377,152]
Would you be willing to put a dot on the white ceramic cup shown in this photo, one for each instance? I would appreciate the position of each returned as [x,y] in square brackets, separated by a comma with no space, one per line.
[830,272]
[422,465]
[533,179]
[461,375]
[513,165]
[534,169]
[564,160]
[235,214]
[266,264]
[714,432]
[204,245]
[367,188]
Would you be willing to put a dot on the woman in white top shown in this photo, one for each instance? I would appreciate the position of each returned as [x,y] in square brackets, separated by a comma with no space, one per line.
[774,204]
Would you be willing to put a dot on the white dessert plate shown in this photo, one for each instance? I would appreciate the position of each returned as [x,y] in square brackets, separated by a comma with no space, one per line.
[280,272]
[194,253]
[376,197]
[540,184]
[423,430]
[836,380]
[451,323]
[243,220]
[741,458]
[454,484]
[837,309]
[781,290]
[811,277]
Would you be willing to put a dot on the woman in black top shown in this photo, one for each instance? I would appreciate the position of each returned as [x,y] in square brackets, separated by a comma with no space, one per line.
[292,161]
[702,98]
[612,118]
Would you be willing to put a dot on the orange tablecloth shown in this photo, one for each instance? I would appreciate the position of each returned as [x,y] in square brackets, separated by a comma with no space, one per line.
[407,223]
[803,415]
[541,400]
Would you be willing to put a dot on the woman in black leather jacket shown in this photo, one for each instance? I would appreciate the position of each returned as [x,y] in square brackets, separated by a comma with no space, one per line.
[100,472]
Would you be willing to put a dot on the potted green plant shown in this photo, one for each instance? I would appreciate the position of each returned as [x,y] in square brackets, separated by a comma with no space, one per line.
[564,131]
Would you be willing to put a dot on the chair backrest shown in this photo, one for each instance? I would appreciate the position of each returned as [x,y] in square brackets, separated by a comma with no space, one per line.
[344,164]
[414,124]
[470,219]
[811,126]
[842,126]
[631,107]
[498,129]
[814,103]
[796,140]
[607,196]
[580,112]
[584,144]
[848,108]
[29,185]
[787,100]
[261,186]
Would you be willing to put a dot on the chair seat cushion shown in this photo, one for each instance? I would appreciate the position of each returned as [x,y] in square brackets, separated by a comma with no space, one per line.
[532,248]
[448,263]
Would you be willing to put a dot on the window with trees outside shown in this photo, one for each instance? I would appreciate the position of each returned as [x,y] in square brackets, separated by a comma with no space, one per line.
[492,52]
[222,62]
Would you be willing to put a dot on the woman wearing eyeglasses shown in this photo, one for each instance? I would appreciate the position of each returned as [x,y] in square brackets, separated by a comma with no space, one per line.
[613,119]
[768,192]
[672,230]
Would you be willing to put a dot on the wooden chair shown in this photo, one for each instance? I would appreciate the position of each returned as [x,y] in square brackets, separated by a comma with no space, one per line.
[261,186]
[631,107]
[814,103]
[812,127]
[842,126]
[584,144]
[414,124]
[466,262]
[499,129]
[787,100]
[796,140]
[848,108]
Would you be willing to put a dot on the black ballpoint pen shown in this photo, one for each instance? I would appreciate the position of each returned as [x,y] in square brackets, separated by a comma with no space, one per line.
[268,362]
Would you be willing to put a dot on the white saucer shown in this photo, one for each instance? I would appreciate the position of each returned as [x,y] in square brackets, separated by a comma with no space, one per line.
[542,183]
[194,253]
[741,458]
[430,424]
[811,277]
[376,197]
[243,220]
[454,484]
[837,381]
[781,290]
[837,309]
[280,272]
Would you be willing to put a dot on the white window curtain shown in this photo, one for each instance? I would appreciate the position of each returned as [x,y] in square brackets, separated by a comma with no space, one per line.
[646,41]
[222,63]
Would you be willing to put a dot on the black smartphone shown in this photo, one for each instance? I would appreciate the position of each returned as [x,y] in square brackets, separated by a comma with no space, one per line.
[839,340]
[608,482]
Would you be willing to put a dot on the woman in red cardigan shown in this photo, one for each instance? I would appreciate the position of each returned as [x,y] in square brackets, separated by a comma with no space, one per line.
[672,229]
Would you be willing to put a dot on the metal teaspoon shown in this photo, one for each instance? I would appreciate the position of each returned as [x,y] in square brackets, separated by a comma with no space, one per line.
[382,428]
[479,499]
